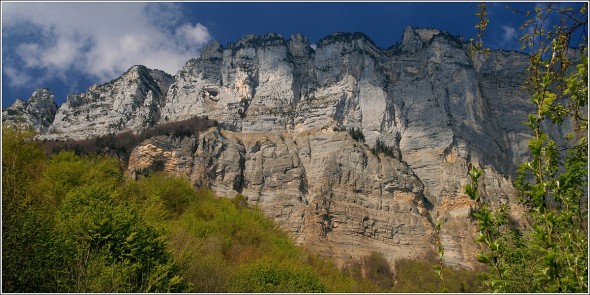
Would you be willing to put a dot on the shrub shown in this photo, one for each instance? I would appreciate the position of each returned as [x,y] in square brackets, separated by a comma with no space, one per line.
[381,147]
[357,134]
[268,276]
[378,270]
[417,276]
[174,193]
[121,144]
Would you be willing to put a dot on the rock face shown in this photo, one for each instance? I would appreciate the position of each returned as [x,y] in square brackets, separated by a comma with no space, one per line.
[427,99]
[130,102]
[328,190]
[282,106]
[38,111]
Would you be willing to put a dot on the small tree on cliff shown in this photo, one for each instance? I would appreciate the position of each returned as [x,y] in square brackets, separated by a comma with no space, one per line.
[550,255]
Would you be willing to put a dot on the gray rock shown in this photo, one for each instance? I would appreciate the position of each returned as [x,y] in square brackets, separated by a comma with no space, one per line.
[130,102]
[325,188]
[37,112]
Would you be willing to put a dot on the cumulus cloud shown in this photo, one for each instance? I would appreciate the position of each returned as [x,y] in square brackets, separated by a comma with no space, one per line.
[101,39]
[194,35]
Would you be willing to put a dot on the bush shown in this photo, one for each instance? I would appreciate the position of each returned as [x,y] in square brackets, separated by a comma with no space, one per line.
[173,193]
[357,134]
[381,147]
[69,233]
[121,144]
[416,276]
[268,276]
[105,236]
[378,270]
[240,201]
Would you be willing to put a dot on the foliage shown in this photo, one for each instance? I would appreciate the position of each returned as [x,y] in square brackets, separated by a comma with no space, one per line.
[81,226]
[221,242]
[381,147]
[379,271]
[416,276]
[22,162]
[29,246]
[550,256]
[357,134]
[121,144]
[269,39]
[481,26]
[490,225]
[340,281]
[105,237]
[66,172]
[67,232]
[269,276]
[160,196]
[438,269]
[345,37]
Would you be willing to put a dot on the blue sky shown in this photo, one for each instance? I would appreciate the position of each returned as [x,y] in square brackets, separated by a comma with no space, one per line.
[67,47]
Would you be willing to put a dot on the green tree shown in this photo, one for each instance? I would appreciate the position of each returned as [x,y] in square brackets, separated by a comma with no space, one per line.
[22,164]
[112,248]
[159,197]
[550,256]
[65,227]
[30,248]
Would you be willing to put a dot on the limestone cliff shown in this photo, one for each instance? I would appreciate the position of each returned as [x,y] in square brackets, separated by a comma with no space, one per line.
[283,109]
[329,190]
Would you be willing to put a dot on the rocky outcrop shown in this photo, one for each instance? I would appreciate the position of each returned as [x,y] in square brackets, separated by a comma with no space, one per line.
[130,102]
[38,111]
[327,189]
[281,105]
[246,86]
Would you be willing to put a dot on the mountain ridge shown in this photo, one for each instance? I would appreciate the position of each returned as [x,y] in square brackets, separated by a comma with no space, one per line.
[281,105]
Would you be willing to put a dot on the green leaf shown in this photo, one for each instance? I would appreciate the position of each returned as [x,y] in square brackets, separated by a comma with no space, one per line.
[549,259]
[475,173]
[482,258]
[480,238]
[548,100]
[495,246]
[477,215]
[470,192]
[535,146]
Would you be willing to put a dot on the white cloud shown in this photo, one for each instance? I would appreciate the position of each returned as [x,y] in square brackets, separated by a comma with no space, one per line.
[104,39]
[195,35]
[508,34]
[29,53]
[17,78]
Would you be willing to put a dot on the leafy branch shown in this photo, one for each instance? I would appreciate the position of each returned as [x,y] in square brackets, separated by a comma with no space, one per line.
[481,26]
[550,254]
